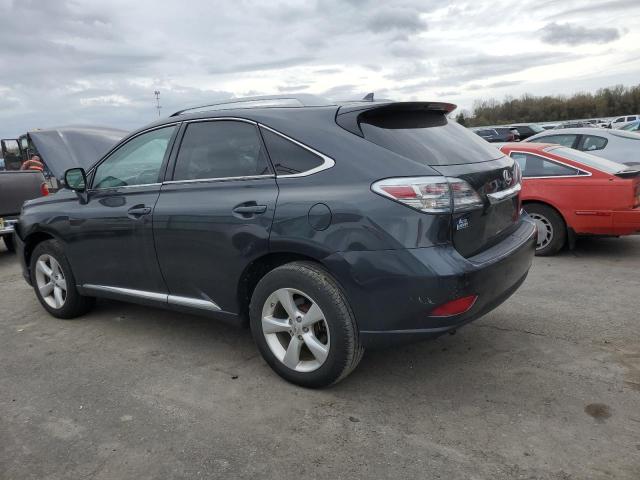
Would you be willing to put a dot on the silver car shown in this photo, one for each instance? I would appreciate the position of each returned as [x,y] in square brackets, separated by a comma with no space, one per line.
[616,145]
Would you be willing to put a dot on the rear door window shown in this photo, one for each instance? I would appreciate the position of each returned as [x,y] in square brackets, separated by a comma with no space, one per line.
[593,142]
[287,157]
[536,166]
[566,140]
[220,149]
[425,136]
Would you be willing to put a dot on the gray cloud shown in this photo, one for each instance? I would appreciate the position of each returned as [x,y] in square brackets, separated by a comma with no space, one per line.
[396,19]
[568,34]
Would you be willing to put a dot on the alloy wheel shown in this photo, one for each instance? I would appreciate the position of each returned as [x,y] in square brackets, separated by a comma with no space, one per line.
[50,281]
[296,330]
[545,230]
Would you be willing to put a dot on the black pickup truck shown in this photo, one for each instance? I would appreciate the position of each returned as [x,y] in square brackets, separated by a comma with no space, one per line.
[59,149]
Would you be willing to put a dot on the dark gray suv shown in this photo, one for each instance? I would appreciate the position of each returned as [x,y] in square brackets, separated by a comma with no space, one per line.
[328,228]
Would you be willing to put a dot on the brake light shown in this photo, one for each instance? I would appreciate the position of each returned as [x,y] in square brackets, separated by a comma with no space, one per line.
[454,307]
[636,199]
[430,194]
[44,189]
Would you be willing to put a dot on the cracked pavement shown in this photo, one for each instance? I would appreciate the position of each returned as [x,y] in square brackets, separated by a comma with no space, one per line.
[545,387]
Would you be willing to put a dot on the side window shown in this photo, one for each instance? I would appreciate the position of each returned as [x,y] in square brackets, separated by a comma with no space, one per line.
[137,162]
[591,142]
[566,140]
[287,157]
[535,166]
[220,149]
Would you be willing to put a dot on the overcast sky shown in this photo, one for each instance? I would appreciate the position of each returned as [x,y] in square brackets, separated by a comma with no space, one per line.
[97,62]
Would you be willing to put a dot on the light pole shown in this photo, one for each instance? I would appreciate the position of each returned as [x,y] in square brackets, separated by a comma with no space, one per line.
[157,94]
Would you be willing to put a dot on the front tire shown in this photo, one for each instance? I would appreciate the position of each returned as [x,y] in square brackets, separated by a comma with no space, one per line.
[552,231]
[54,283]
[303,325]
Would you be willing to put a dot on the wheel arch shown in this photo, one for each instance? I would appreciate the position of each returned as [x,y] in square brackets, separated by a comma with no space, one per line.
[546,204]
[257,269]
[32,240]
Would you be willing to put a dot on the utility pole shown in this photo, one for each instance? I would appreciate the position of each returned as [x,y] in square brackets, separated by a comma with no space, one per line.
[158,107]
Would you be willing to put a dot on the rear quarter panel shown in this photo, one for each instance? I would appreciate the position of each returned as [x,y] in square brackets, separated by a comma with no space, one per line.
[585,203]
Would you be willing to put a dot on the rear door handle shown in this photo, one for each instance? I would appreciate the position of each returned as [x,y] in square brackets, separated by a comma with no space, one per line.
[138,211]
[249,209]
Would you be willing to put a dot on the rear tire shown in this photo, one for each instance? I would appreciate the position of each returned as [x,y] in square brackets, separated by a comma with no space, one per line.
[54,283]
[552,230]
[9,243]
[319,346]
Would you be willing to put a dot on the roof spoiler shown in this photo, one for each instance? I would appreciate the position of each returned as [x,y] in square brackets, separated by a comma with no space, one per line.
[629,173]
[348,115]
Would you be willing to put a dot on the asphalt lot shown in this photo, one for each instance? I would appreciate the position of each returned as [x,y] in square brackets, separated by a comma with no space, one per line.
[545,387]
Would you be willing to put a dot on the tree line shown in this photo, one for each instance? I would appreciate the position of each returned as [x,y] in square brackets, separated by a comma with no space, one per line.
[605,102]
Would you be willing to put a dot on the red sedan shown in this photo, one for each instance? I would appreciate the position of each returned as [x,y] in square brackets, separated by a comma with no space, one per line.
[571,193]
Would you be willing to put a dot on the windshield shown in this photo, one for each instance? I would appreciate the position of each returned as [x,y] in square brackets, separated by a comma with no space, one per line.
[589,160]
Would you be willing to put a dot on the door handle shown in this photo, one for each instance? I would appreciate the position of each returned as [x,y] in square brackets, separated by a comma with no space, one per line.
[250,209]
[138,211]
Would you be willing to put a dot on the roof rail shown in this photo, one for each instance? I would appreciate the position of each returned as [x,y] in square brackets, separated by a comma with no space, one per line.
[295,100]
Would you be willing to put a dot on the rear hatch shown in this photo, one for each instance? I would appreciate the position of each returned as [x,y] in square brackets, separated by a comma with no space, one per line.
[423,133]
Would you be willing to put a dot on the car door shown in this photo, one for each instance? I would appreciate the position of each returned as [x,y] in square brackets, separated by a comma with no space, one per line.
[111,243]
[214,216]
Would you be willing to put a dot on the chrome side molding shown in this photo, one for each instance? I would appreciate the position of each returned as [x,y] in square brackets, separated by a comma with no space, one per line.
[193,303]
[129,292]
[190,302]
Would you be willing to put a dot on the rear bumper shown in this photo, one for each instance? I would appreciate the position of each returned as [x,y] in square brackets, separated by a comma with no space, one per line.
[7,226]
[626,222]
[392,292]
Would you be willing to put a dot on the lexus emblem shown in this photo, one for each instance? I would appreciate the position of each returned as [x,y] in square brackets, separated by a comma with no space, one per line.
[507,176]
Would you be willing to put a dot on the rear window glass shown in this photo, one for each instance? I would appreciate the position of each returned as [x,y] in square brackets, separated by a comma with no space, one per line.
[426,137]
[589,160]
[566,140]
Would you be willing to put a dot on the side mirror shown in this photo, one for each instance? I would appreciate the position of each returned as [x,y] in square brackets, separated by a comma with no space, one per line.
[76,179]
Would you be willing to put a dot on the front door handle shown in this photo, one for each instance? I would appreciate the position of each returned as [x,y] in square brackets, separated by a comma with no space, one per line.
[138,211]
[250,209]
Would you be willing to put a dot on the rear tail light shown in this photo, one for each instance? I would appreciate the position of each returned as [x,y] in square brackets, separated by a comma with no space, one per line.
[44,189]
[636,198]
[430,194]
[454,307]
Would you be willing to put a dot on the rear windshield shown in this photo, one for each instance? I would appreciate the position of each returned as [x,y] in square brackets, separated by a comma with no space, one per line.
[589,160]
[426,136]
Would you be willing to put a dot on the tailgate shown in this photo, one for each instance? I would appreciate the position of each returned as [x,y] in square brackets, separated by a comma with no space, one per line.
[16,187]
[476,230]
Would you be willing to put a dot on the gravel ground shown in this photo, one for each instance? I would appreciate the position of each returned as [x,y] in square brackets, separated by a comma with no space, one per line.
[545,387]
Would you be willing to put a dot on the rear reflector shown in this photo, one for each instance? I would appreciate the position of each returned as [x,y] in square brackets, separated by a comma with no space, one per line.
[44,190]
[454,307]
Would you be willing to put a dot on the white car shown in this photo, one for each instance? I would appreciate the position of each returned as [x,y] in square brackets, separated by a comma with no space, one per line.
[616,145]
[620,121]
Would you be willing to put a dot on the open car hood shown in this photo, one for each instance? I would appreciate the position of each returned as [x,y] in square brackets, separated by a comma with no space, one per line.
[68,147]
